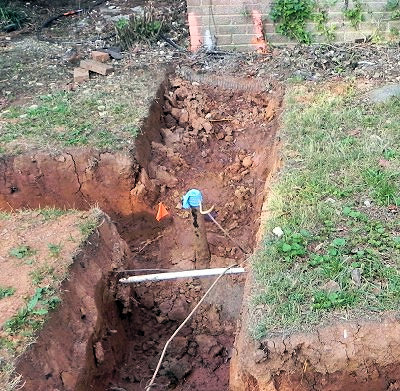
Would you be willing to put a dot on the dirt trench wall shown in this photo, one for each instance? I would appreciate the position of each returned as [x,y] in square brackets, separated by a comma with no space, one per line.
[87,321]
[350,356]
[80,178]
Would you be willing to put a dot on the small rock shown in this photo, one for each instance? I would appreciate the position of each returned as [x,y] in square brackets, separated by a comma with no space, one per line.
[178,346]
[170,121]
[220,135]
[277,231]
[247,162]
[229,138]
[182,92]
[99,352]
[179,310]
[384,93]
[68,380]
[205,343]
[176,113]
[197,124]
[184,117]
[60,158]
[367,203]
[207,126]
[179,369]
[356,276]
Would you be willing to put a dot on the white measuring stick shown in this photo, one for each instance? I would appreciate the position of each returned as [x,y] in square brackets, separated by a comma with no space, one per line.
[183,274]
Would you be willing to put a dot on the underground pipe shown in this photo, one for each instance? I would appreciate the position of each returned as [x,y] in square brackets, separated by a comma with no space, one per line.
[183,274]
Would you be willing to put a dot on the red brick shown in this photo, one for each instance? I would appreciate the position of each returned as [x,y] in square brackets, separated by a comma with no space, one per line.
[81,75]
[100,56]
[97,67]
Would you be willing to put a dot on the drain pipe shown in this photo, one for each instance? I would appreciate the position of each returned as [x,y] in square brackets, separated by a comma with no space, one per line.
[182,274]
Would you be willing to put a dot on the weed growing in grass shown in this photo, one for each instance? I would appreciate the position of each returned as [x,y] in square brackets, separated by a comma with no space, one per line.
[42,272]
[54,249]
[31,317]
[384,185]
[52,213]
[5,216]
[88,226]
[22,252]
[6,291]
[331,239]
[139,28]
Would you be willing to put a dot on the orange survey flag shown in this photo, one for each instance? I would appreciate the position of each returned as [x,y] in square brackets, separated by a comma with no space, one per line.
[162,212]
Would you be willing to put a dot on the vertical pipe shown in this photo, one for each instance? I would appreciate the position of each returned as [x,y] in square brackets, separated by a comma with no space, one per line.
[202,251]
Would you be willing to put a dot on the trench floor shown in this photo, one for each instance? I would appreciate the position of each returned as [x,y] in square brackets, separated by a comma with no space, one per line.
[223,143]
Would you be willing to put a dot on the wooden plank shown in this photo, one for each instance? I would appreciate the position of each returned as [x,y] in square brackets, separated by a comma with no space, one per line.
[97,67]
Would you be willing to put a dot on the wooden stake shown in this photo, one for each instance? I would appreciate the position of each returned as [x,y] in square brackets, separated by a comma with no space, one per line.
[201,250]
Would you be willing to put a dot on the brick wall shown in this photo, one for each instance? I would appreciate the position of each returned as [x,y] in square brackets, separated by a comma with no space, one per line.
[235,24]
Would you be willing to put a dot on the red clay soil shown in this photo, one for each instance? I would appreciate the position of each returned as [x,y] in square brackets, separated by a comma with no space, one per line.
[351,356]
[32,230]
[79,178]
[65,346]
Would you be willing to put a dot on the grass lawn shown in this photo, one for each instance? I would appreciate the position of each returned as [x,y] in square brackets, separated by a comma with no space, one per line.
[69,119]
[337,201]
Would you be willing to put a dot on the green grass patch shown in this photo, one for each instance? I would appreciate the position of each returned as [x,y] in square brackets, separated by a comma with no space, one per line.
[90,223]
[5,216]
[41,273]
[22,252]
[52,213]
[6,291]
[54,249]
[31,317]
[69,119]
[335,202]
[11,16]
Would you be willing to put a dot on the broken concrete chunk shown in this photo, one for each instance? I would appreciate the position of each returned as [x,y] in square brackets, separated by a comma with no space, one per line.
[100,56]
[97,67]
[81,75]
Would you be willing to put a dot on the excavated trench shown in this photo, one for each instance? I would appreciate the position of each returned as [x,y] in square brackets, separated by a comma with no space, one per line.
[106,336]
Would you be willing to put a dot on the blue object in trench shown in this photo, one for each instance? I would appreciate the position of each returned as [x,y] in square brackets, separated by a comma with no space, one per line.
[192,199]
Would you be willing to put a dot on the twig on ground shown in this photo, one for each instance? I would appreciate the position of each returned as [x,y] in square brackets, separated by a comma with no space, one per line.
[148,242]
